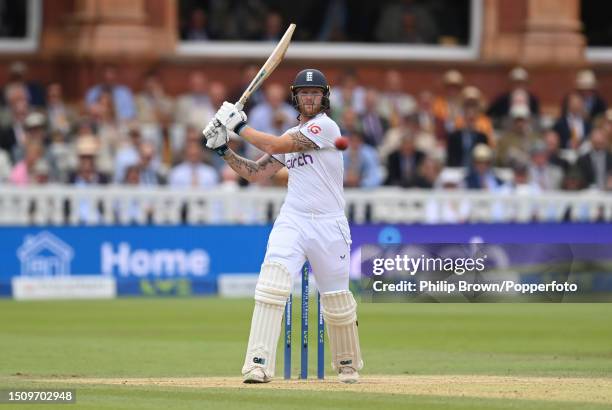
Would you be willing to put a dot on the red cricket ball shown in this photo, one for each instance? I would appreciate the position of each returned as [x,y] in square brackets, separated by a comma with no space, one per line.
[341,143]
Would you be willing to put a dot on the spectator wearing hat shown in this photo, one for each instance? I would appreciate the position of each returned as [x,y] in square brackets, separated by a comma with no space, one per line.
[472,97]
[448,107]
[448,210]
[403,164]
[122,96]
[515,143]
[395,102]
[87,174]
[518,94]
[573,127]
[361,166]
[481,174]
[596,165]
[586,86]
[462,141]
[542,173]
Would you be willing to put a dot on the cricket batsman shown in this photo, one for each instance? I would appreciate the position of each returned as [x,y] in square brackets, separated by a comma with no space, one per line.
[311,225]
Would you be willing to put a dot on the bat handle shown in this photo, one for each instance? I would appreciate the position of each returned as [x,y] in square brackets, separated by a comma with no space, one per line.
[239,105]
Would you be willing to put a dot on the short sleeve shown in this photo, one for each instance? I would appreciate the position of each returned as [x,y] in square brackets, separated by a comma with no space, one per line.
[280,158]
[322,130]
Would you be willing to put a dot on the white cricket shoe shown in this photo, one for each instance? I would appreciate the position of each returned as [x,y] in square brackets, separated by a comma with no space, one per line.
[347,374]
[256,375]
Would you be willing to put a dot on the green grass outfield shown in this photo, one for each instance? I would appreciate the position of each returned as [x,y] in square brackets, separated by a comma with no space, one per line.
[57,342]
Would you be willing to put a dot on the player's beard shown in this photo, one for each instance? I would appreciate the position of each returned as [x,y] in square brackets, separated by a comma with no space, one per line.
[310,110]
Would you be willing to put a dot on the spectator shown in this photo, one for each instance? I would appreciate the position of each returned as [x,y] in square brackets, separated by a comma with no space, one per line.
[192,172]
[121,95]
[349,94]
[461,142]
[61,117]
[273,116]
[153,104]
[373,125]
[542,173]
[406,22]
[586,86]
[409,125]
[448,107]
[518,94]
[247,73]
[361,166]
[553,151]
[596,165]
[428,121]
[34,91]
[447,210]
[515,143]
[217,94]
[107,128]
[12,134]
[194,107]
[349,122]
[126,154]
[394,102]
[428,172]
[472,98]
[87,147]
[523,184]
[23,172]
[403,164]
[150,171]
[60,154]
[197,28]
[273,29]
[481,174]
[573,127]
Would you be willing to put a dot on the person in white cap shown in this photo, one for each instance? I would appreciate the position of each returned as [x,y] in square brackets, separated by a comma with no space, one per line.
[515,143]
[518,94]
[586,86]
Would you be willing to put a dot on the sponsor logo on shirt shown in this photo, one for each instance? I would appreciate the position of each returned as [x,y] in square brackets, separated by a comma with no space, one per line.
[314,128]
[299,160]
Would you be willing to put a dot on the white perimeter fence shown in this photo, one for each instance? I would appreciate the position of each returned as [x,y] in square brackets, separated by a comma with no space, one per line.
[116,205]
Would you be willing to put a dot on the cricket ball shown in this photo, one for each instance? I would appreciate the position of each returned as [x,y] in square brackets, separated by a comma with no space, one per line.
[341,143]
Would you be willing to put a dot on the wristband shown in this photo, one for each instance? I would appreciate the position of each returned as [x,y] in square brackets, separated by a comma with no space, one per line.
[222,150]
[240,127]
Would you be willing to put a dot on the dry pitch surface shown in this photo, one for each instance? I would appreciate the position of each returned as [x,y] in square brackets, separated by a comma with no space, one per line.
[585,390]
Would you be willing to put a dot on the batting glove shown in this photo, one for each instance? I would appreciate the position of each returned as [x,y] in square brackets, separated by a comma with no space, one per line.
[216,138]
[231,118]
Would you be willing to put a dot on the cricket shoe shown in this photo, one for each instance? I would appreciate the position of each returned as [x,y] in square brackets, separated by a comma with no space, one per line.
[348,375]
[256,375]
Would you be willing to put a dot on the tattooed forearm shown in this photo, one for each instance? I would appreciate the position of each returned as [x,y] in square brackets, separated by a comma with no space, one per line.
[251,170]
[301,143]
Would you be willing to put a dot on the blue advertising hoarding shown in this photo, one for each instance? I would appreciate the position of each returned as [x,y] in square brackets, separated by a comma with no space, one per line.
[185,260]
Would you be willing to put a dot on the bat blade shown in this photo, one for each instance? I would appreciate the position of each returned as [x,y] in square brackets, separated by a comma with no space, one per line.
[271,63]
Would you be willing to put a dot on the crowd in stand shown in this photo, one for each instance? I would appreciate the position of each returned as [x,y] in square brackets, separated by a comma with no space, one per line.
[146,137]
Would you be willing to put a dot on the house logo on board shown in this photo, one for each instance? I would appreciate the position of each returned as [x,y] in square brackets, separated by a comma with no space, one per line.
[44,255]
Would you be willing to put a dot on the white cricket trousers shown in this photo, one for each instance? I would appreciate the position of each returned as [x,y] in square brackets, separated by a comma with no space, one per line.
[323,240]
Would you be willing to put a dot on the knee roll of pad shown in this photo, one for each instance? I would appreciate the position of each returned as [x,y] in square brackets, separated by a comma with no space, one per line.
[273,285]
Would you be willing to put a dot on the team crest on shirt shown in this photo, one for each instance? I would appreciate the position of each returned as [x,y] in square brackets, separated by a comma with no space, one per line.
[314,128]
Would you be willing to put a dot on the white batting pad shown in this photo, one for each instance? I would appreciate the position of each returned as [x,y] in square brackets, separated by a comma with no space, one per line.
[340,314]
[271,294]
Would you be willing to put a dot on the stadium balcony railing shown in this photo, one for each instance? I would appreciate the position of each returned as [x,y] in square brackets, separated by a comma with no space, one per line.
[120,205]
